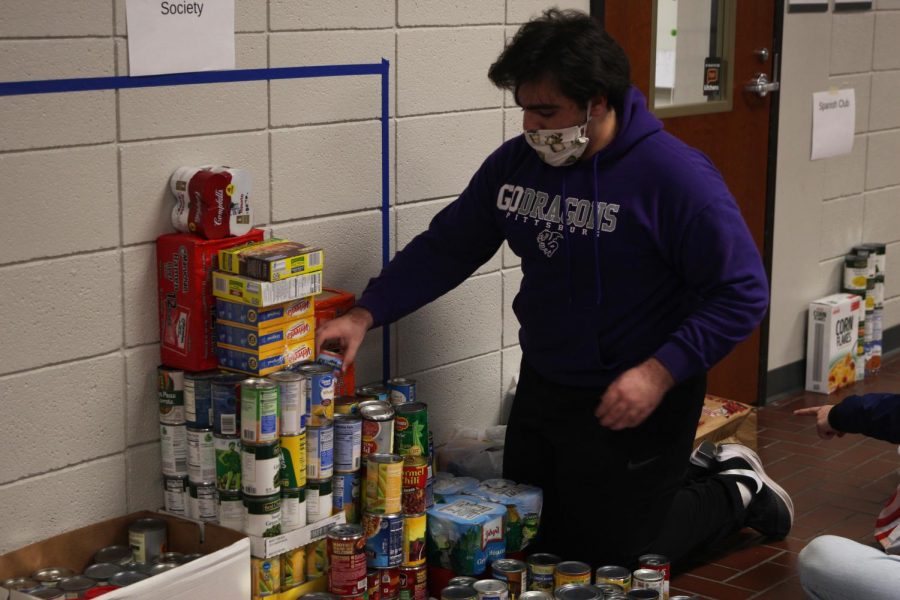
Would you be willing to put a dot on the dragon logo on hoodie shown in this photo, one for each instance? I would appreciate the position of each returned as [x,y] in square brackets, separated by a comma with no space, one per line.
[548,242]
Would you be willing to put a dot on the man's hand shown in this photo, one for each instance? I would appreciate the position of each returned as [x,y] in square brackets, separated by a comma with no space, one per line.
[823,427]
[636,393]
[348,331]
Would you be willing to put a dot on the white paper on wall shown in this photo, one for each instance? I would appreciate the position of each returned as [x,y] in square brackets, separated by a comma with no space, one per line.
[179,36]
[834,120]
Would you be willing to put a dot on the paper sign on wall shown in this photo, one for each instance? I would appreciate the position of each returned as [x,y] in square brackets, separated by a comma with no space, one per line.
[179,36]
[834,120]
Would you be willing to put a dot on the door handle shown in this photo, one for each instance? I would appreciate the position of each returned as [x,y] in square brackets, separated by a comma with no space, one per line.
[761,86]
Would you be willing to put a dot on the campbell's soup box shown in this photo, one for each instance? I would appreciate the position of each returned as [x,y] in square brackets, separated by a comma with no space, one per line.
[831,342]
[184,266]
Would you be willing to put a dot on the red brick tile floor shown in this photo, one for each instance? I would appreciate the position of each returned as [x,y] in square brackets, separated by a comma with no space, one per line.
[838,487]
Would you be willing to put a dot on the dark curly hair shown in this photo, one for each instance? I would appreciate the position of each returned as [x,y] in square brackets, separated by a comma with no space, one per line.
[572,50]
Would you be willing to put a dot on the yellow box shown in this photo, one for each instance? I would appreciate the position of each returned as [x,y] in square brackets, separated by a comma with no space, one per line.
[237,288]
[250,316]
[263,339]
[247,361]
[271,260]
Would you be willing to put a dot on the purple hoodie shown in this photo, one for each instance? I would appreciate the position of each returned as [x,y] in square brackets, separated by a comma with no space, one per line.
[648,255]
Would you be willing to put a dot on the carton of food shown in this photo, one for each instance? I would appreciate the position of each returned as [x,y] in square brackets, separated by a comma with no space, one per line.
[523,509]
[253,292]
[466,535]
[831,342]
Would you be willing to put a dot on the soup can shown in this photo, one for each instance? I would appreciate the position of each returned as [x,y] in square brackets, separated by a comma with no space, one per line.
[384,483]
[260,411]
[201,458]
[384,539]
[320,451]
[541,570]
[263,515]
[491,589]
[347,556]
[265,576]
[572,571]
[347,443]
[75,586]
[228,462]
[293,460]
[174,496]
[613,574]
[413,583]
[578,591]
[318,500]
[402,390]
[459,592]
[225,390]
[293,508]
[414,540]
[170,392]
[26,585]
[198,399]
[648,579]
[657,562]
[346,495]
[292,396]
[377,427]
[147,538]
[261,469]
[117,555]
[202,501]
[293,568]
[512,572]
[230,509]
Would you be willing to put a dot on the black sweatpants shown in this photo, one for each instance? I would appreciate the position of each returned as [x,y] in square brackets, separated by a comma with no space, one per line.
[610,496]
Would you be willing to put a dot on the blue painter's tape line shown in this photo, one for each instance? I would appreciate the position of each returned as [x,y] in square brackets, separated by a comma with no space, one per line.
[85,84]
[385,207]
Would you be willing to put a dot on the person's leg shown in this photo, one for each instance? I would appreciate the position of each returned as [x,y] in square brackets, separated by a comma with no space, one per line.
[835,568]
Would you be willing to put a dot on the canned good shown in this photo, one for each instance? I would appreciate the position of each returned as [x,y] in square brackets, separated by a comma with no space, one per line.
[48,594]
[170,391]
[608,590]
[263,515]
[126,578]
[347,443]
[490,589]
[411,429]
[176,557]
[50,576]
[513,572]
[162,567]
[415,482]
[657,562]
[459,592]
[293,460]
[173,447]
[571,571]
[225,391]
[202,501]
[198,399]
[320,451]
[384,539]
[228,462]
[293,509]
[429,493]
[118,555]
[374,391]
[578,591]
[643,594]
[462,580]
[201,459]
[648,579]
[261,469]
[319,596]
[402,390]
[101,572]
[414,540]
[137,567]
[260,411]
[293,568]
[317,560]
[535,595]
[192,556]
[265,576]
[318,500]
[319,392]
[99,590]
[346,495]
[384,477]
[346,405]
[413,583]
[75,586]
[292,396]
[347,556]
[613,574]
[541,569]
[377,427]
[22,584]
[147,538]
[389,582]
[230,509]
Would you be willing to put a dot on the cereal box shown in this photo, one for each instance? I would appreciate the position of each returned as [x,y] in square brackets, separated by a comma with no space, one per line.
[831,342]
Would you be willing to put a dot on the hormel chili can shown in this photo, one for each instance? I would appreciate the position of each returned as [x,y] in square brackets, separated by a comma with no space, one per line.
[389,582]
[415,478]
[413,583]
[377,427]
[210,204]
[657,562]
[347,557]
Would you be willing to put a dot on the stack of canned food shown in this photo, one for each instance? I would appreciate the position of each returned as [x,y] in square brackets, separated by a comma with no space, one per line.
[547,577]
[113,567]
[863,275]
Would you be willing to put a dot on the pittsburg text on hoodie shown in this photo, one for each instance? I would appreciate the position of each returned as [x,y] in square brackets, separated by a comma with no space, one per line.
[638,251]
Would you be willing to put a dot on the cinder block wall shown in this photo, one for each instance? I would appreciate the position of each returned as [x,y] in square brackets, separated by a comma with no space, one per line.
[824,207]
[84,186]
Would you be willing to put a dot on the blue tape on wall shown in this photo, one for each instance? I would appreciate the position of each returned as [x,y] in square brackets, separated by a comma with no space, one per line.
[86,84]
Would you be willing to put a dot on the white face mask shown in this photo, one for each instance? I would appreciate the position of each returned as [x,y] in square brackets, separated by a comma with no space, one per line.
[560,147]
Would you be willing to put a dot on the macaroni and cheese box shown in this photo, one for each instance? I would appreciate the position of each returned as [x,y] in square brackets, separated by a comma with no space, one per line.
[831,342]
[238,288]
[263,339]
[272,260]
[244,314]
[258,363]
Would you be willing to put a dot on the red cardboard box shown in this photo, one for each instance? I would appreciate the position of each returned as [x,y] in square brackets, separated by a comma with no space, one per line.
[184,263]
[331,304]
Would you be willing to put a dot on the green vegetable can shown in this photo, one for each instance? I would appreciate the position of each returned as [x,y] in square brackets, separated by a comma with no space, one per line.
[263,515]
[261,469]
[228,462]
[411,429]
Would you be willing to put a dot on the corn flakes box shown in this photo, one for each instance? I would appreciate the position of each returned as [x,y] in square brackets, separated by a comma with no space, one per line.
[831,342]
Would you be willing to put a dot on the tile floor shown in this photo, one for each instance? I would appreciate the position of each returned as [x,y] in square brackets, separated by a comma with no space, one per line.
[838,487]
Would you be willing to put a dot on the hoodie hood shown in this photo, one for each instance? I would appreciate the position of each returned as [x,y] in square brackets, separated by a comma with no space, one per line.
[632,126]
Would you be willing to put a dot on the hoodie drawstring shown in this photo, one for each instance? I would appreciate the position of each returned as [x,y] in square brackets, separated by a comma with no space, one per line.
[596,207]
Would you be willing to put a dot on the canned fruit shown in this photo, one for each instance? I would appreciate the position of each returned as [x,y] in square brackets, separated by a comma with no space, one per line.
[414,540]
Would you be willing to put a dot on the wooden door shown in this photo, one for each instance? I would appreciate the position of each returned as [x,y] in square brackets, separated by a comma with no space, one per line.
[737,141]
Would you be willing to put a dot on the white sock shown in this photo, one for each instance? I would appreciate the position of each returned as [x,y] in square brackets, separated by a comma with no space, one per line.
[746,494]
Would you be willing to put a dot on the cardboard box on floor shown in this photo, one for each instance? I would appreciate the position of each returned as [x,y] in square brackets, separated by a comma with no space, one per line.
[223,573]
[724,420]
